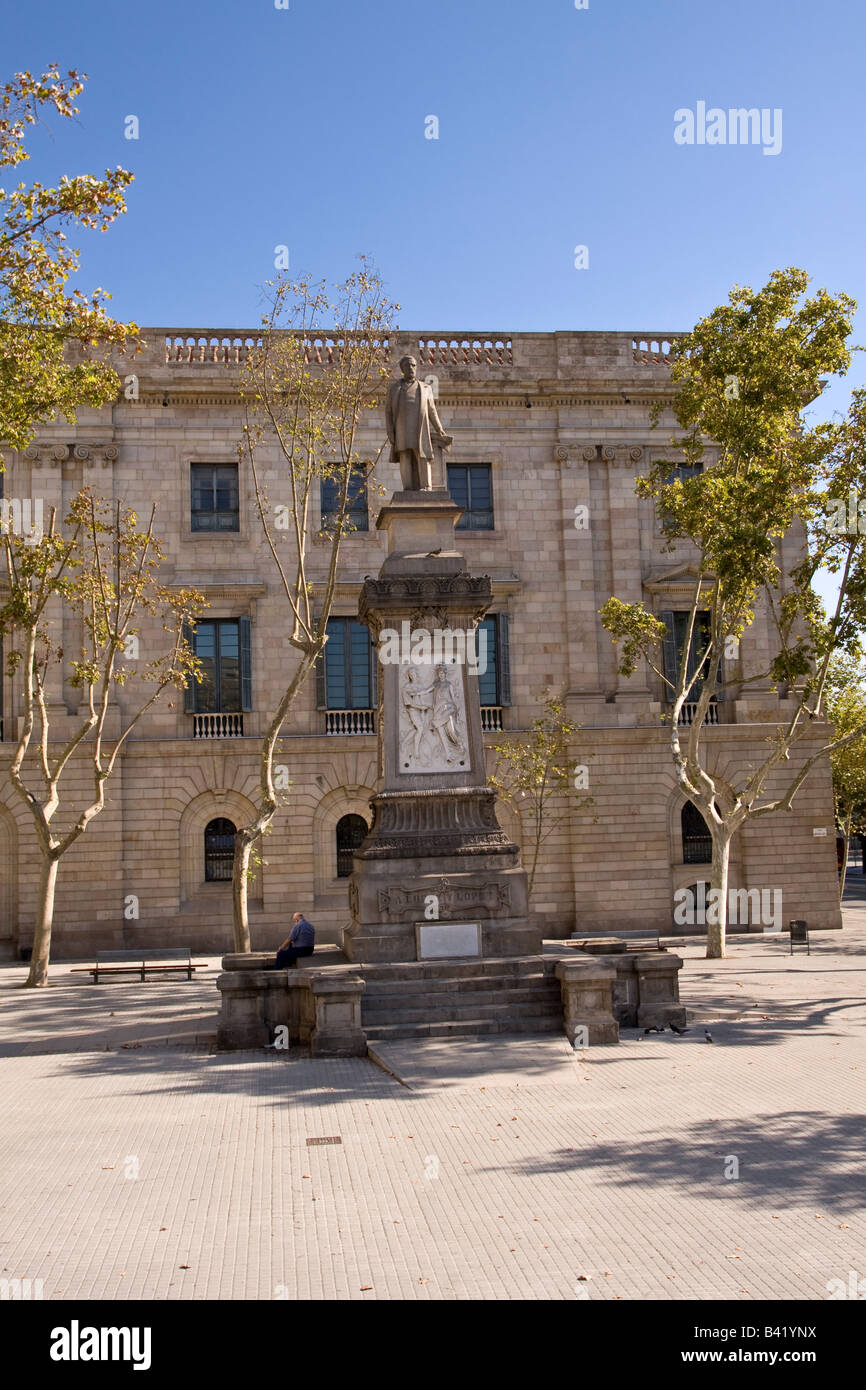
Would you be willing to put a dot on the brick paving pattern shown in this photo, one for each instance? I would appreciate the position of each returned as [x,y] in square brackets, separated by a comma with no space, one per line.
[137,1163]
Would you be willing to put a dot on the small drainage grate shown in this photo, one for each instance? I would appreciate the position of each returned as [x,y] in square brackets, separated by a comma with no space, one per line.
[327,1139]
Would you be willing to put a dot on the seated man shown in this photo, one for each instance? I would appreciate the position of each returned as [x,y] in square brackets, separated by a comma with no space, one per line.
[300,943]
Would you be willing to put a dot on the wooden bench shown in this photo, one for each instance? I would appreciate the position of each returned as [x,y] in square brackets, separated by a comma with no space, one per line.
[650,940]
[647,940]
[132,962]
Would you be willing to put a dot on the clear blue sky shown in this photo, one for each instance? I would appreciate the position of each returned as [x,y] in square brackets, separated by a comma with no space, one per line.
[306,127]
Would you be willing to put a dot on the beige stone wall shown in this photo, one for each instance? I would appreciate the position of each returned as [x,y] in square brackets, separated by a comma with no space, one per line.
[563,419]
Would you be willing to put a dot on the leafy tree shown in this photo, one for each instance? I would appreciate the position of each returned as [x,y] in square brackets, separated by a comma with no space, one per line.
[52,338]
[538,777]
[55,340]
[305,415]
[742,379]
[846,710]
[102,570]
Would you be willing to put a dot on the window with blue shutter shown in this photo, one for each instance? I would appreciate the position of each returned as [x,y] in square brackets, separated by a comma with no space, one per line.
[471,487]
[677,626]
[189,690]
[246,643]
[349,657]
[356,514]
[670,652]
[503,651]
[494,683]
[680,473]
[488,680]
[321,694]
[223,651]
[214,497]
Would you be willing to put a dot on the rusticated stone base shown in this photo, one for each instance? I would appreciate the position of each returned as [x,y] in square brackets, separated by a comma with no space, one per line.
[389,896]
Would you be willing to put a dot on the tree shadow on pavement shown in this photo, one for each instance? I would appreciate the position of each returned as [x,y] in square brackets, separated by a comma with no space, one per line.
[793,1158]
[270,1078]
[770,1021]
[71,1016]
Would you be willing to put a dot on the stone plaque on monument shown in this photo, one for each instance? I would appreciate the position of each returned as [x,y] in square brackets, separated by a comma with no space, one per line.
[444,940]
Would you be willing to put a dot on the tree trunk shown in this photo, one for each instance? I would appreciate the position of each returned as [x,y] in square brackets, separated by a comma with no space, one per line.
[535,858]
[240,868]
[716,929]
[44,921]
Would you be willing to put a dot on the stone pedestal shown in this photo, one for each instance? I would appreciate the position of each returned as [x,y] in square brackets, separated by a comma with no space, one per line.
[435,850]
[336,1016]
[587,1000]
[658,990]
[244,1019]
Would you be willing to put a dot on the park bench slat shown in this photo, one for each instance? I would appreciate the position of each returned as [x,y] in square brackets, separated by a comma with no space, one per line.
[127,962]
[652,938]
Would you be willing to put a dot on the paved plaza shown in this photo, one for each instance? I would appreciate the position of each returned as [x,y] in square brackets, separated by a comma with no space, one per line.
[135,1162]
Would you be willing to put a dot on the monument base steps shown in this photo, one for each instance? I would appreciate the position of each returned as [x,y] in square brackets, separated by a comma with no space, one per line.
[443,999]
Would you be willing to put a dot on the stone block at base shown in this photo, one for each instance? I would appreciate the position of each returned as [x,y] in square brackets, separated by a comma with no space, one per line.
[243,1008]
[658,990]
[587,1000]
[337,1030]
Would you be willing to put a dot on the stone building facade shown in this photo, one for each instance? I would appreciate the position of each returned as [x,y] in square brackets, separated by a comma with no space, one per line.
[545,425]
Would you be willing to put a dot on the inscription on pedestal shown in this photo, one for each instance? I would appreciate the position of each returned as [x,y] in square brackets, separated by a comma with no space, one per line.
[453,901]
[442,940]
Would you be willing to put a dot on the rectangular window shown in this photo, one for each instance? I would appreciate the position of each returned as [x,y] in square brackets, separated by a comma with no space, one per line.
[214,497]
[471,487]
[349,657]
[356,515]
[677,624]
[494,683]
[683,471]
[223,649]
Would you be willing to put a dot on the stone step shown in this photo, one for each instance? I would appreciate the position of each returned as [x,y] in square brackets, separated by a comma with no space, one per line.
[464,1028]
[440,1011]
[508,967]
[472,984]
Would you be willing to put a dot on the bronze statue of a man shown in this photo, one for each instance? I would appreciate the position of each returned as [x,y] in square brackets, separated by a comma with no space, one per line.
[414,427]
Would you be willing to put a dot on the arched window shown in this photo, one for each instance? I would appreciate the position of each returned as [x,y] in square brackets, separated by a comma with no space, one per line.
[219,850]
[697,841]
[351,832]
